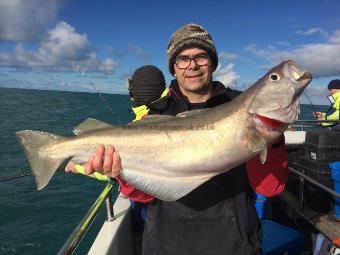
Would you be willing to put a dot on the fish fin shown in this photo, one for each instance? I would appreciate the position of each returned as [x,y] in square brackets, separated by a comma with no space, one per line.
[43,167]
[90,124]
[255,141]
[263,156]
[159,118]
[190,113]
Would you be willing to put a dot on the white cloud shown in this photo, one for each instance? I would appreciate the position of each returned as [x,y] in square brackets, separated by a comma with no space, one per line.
[132,49]
[315,94]
[60,50]
[23,20]
[108,66]
[138,51]
[63,43]
[227,56]
[321,59]
[283,44]
[5,57]
[335,38]
[226,75]
[312,31]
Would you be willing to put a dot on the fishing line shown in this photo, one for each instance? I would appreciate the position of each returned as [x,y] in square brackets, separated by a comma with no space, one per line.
[78,68]
[16,176]
[303,93]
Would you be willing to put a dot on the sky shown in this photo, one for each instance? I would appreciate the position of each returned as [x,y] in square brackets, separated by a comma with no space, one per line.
[66,45]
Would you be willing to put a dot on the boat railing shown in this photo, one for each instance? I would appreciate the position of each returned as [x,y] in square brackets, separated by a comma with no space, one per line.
[299,127]
[302,179]
[323,223]
[79,232]
[307,125]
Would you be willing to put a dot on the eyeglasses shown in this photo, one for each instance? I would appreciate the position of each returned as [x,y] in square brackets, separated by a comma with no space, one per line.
[183,62]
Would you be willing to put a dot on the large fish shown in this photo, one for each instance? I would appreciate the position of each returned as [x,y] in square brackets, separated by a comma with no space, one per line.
[170,156]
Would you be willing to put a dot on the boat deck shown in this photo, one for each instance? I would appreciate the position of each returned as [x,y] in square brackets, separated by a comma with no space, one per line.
[322,222]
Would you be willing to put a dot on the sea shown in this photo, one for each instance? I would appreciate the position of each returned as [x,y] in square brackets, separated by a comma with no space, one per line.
[36,222]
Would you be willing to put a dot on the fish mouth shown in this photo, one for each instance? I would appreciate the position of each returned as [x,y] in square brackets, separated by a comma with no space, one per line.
[297,74]
[268,124]
[278,118]
[305,76]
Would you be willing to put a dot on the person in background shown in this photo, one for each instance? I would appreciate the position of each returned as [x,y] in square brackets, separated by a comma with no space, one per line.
[146,85]
[218,217]
[334,111]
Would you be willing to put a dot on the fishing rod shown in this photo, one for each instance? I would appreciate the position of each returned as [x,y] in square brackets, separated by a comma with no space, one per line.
[78,233]
[13,177]
[78,68]
[317,121]
[303,93]
[79,170]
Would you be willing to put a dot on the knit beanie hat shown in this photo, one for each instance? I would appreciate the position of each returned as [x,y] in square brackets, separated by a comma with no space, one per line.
[146,84]
[334,84]
[187,36]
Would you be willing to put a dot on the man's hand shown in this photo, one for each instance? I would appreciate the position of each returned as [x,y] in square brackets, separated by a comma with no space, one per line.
[107,163]
[318,115]
[70,167]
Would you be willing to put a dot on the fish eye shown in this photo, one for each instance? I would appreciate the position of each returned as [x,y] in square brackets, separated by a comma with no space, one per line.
[274,77]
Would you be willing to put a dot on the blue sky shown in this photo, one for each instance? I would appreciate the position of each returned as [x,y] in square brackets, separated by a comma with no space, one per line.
[42,42]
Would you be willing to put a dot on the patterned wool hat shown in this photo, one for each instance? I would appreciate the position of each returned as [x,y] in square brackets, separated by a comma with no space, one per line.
[146,85]
[190,35]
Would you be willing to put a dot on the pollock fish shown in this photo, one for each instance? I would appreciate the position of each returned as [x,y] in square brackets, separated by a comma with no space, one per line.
[169,156]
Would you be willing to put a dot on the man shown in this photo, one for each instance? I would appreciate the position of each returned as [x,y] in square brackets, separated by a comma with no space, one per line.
[334,112]
[218,217]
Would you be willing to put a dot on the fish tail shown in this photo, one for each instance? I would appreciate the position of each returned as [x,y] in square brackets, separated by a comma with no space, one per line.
[43,166]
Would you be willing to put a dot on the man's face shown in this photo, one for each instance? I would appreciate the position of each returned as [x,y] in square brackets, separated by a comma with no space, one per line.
[333,91]
[194,78]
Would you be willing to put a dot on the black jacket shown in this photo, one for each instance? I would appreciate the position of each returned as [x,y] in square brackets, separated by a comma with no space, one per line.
[218,217]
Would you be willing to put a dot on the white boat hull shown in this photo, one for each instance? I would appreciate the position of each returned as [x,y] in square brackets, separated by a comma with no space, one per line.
[115,237]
